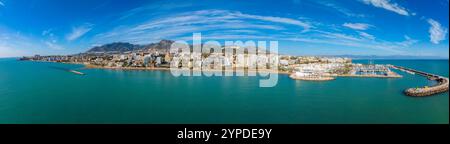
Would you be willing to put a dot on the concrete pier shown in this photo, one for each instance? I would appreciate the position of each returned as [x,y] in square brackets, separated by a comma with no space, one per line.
[440,87]
[76,72]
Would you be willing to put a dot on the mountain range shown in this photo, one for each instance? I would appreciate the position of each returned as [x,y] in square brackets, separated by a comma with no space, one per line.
[124,47]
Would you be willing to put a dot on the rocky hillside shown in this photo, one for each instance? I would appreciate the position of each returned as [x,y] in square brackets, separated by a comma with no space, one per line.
[115,47]
[124,47]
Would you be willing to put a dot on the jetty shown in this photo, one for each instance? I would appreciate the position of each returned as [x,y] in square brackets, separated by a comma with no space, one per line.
[76,72]
[440,87]
[67,70]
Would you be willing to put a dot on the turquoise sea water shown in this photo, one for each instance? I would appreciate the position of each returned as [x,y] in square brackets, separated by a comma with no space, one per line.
[38,92]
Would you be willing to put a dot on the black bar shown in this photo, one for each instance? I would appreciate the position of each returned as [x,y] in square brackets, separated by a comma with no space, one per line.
[280,133]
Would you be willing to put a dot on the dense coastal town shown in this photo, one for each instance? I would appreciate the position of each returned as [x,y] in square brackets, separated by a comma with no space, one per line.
[159,56]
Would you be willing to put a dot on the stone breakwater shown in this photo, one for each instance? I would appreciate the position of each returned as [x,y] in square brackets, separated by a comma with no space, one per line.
[440,87]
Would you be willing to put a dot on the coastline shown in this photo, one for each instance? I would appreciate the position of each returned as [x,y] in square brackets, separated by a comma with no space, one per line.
[326,78]
[90,66]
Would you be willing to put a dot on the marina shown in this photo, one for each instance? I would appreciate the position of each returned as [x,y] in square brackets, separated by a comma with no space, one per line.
[372,70]
[326,72]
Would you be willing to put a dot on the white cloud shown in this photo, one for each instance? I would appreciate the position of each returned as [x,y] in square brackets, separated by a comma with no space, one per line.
[53,45]
[391,47]
[277,20]
[50,40]
[243,31]
[366,35]
[232,25]
[437,32]
[339,9]
[181,24]
[14,44]
[362,40]
[387,5]
[156,6]
[217,16]
[357,26]
[47,32]
[220,36]
[79,31]
[1,3]
[408,41]
[334,35]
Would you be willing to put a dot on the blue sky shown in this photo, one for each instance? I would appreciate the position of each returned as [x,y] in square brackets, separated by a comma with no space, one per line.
[302,27]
